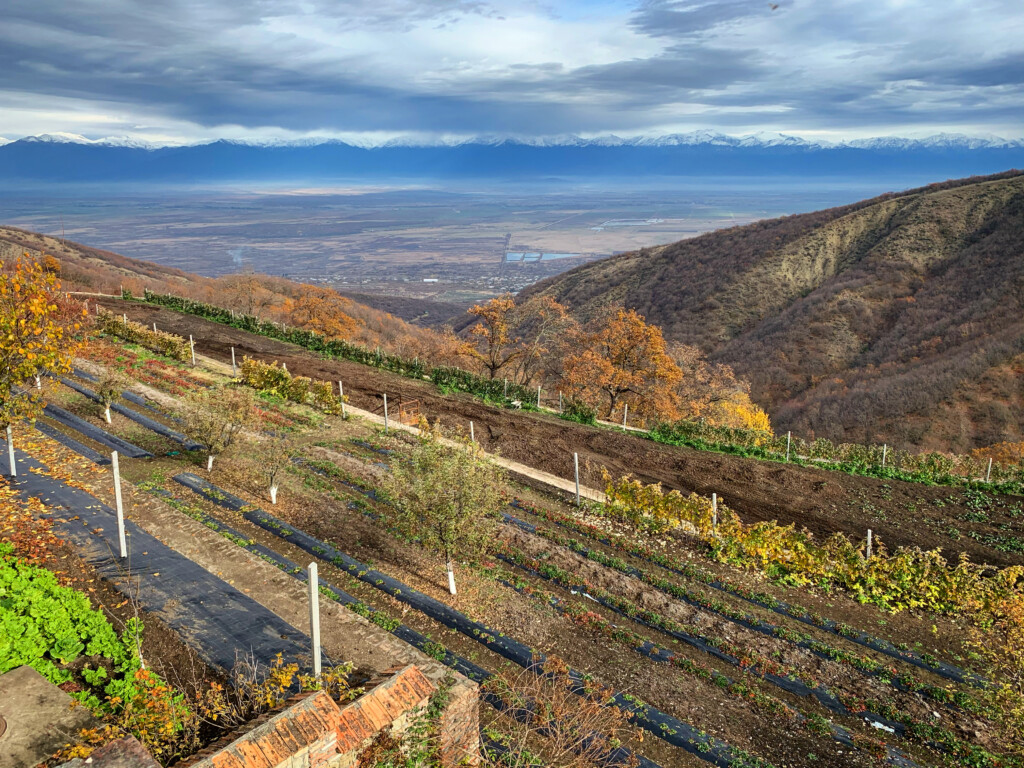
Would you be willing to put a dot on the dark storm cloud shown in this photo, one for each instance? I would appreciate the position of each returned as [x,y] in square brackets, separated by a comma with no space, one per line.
[265,64]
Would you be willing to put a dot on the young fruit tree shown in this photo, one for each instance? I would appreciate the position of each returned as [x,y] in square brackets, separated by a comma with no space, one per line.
[446,496]
[216,418]
[36,327]
[546,722]
[273,454]
[111,388]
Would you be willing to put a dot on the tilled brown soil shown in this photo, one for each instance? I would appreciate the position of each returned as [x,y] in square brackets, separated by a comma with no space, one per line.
[900,513]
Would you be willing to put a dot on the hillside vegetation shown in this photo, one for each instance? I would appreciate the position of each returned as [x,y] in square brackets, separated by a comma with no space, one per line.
[898,319]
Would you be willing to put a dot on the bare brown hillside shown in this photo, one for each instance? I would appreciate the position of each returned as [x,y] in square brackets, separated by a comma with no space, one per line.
[898,319]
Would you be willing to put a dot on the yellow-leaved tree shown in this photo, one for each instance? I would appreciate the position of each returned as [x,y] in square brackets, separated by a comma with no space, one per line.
[36,327]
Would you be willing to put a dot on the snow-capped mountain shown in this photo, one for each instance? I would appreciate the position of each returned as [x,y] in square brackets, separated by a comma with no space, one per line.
[67,157]
[693,138]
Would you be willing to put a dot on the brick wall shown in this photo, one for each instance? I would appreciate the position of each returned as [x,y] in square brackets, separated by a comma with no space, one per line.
[314,732]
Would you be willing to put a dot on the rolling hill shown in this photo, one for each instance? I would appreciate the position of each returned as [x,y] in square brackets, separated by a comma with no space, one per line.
[898,319]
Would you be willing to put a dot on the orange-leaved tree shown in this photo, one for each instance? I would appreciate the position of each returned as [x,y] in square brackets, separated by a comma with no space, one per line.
[521,339]
[620,358]
[36,327]
[323,311]
[496,345]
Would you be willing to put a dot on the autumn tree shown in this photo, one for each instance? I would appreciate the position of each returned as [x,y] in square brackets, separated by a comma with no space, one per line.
[547,720]
[273,454]
[545,331]
[713,392]
[517,337]
[217,416]
[446,496]
[323,311]
[36,327]
[620,358]
[111,389]
[246,292]
[496,345]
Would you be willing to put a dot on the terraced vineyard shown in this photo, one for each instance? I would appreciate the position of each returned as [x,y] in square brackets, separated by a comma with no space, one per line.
[715,663]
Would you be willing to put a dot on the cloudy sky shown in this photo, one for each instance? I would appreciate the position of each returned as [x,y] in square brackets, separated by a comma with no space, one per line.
[372,70]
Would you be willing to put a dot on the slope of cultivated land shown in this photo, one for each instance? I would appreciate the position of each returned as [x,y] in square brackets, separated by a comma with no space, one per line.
[330,501]
[898,319]
[987,527]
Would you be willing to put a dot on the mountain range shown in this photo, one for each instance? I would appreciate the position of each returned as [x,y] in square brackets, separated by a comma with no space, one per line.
[68,157]
[898,319]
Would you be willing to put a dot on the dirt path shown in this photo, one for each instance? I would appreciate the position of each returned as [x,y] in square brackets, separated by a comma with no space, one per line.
[899,513]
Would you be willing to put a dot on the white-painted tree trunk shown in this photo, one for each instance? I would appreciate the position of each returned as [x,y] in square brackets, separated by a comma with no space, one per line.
[451,578]
[39,382]
[209,462]
[106,414]
[273,494]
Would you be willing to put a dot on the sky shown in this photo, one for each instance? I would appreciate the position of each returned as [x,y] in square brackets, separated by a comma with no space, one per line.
[369,71]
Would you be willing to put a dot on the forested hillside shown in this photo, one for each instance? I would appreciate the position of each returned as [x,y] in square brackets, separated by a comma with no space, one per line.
[898,319]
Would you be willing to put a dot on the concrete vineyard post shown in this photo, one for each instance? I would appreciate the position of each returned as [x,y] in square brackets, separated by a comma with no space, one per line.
[385,414]
[504,392]
[869,545]
[576,467]
[10,453]
[192,349]
[232,314]
[472,434]
[789,438]
[988,472]
[885,450]
[559,401]
[714,513]
[625,414]
[124,319]
[234,367]
[117,502]
[538,396]
[284,366]
[314,616]
[341,397]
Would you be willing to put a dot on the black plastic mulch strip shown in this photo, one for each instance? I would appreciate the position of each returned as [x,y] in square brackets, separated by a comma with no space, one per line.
[661,724]
[94,433]
[942,668]
[748,620]
[476,673]
[138,418]
[129,396]
[656,653]
[70,442]
[221,623]
[85,375]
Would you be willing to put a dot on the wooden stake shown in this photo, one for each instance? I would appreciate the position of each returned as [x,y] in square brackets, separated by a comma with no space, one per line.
[314,616]
[576,465]
[385,414]
[119,505]
[10,453]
